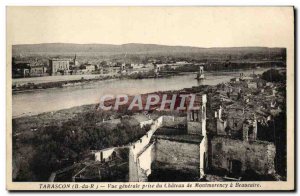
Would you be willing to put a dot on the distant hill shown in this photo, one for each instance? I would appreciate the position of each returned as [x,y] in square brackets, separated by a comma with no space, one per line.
[134,48]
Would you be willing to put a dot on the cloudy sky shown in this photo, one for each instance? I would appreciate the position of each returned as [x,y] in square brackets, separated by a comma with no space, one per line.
[189,26]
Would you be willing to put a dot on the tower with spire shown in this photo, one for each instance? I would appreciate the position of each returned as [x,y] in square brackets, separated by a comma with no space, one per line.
[75,62]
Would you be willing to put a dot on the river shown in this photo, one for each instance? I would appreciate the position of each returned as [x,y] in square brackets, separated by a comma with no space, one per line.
[36,102]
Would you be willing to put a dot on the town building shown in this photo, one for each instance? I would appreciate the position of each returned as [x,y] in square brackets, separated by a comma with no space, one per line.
[59,66]
[38,70]
[87,68]
[21,70]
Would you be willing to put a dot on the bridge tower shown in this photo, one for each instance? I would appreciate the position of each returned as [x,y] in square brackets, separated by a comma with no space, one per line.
[200,74]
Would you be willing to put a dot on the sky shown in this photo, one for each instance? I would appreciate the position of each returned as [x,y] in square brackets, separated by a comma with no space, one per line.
[186,26]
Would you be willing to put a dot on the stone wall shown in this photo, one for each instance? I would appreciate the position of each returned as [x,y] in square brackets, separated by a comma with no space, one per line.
[138,146]
[221,125]
[106,154]
[194,128]
[145,159]
[133,168]
[176,155]
[203,154]
[141,150]
[257,156]
[171,121]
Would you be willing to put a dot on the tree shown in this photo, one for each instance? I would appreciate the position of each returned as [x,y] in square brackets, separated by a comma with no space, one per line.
[273,75]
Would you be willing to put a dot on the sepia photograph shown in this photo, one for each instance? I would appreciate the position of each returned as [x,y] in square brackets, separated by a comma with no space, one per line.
[150,98]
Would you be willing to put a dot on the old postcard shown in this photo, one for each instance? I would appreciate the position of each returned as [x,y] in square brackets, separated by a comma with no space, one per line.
[150,98]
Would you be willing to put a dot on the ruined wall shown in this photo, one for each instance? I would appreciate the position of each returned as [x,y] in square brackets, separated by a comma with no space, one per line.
[177,155]
[221,125]
[203,127]
[133,168]
[203,157]
[145,159]
[258,156]
[194,128]
[106,153]
[167,120]
[250,131]
[235,125]
[171,121]
[139,152]
[138,146]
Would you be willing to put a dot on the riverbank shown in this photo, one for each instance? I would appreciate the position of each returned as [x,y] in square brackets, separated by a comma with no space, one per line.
[34,122]
[55,99]
[37,84]
[32,86]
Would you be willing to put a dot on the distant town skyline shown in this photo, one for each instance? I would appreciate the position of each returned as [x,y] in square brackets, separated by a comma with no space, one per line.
[189,26]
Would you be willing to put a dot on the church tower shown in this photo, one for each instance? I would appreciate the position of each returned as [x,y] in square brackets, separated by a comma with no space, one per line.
[75,62]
